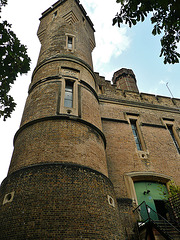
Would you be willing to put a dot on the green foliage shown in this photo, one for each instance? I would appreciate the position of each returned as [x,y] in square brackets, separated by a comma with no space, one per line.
[173,189]
[13,61]
[165,18]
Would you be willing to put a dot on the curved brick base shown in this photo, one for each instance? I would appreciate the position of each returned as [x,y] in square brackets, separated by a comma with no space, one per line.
[58,201]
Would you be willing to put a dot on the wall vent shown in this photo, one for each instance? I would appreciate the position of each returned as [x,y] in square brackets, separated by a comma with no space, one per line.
[8,197]
[111,201]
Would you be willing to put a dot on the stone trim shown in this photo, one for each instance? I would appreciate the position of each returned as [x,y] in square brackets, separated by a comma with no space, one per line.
[132,177]
[59,98]
[138,104]
[62,117]
[43,81]
[143,153]
[63,165]
[79,100]
[73,110]
[90,89]
[114,120]
[60,57]
[152,125]
[125,121]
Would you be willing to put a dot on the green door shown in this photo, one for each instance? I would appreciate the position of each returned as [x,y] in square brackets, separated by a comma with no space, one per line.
[151,193]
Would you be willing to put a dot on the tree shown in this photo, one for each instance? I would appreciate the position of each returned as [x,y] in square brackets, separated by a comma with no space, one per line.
[165,17]
[13,61]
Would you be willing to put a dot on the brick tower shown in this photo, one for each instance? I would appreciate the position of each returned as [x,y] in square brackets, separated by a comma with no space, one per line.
[125,80]
[57,185]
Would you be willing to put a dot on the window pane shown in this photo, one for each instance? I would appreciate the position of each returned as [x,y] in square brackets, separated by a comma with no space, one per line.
[68,99]
[68,95]
[70,40]
[68,103]
[173,137]
[136,135]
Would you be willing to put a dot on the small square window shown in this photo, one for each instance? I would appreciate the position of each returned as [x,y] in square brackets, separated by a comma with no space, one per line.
[70,42]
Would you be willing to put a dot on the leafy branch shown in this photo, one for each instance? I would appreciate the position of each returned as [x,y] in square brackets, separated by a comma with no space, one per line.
[165,18]
[13,61]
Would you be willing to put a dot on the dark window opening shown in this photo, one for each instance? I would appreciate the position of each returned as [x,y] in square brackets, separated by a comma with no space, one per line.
[136,134]
[161,208]
[170,128]
[68,99]
[55,14]
[70,42]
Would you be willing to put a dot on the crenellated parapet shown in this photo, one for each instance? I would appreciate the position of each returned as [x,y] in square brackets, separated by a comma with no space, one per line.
[109,91]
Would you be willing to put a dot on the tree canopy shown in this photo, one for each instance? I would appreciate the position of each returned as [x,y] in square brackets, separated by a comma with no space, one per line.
[165,18]
[13,61]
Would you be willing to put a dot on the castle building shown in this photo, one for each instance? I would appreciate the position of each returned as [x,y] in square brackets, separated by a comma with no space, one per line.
[88,151]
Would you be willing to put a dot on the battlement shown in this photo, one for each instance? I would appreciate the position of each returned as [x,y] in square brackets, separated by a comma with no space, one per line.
[111,91]
[58,3]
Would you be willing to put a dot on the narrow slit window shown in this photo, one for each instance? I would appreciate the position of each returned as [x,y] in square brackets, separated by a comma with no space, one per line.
[170,128]
[70,42]
[136,134]
[68,99]
[55,14]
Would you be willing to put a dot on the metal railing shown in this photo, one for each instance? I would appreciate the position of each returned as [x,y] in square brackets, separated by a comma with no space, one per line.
[174,203]
[147,215]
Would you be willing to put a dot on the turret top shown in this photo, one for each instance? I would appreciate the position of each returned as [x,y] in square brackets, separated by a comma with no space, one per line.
[125,79]
[58,3]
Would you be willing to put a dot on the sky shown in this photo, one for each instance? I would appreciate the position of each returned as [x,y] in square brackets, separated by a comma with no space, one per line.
[135,48]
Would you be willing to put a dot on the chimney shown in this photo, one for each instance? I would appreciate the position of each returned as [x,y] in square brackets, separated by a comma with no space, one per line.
[125,79]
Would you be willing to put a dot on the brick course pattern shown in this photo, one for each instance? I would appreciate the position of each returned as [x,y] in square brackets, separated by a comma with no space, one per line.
[59,141]
[52,32]
[58,202]
[69,165]
[122,154]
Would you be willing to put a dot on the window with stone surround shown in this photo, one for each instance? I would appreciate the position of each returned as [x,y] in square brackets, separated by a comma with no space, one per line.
[54,15]
[170,125]
[133,120]
[68,98]
[133,123]
[70,42]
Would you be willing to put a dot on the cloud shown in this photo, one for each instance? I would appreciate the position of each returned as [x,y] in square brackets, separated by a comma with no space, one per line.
[111,41]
